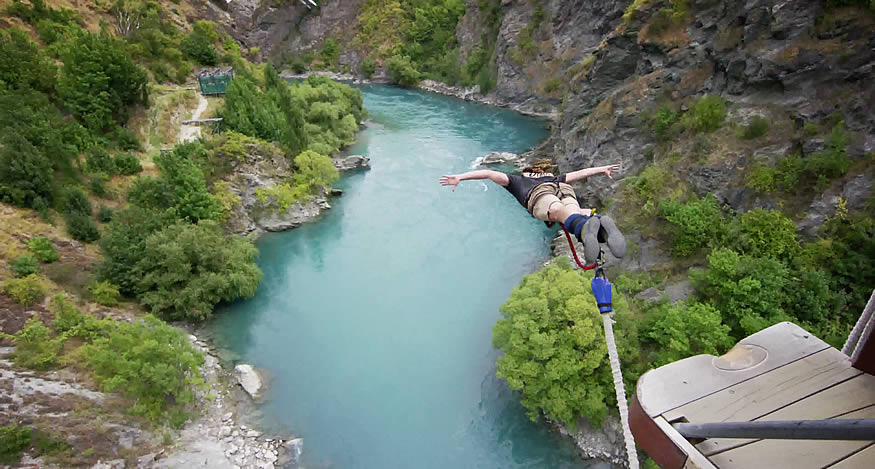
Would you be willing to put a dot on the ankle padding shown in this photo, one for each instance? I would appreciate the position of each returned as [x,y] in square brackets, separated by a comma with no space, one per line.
[574,224]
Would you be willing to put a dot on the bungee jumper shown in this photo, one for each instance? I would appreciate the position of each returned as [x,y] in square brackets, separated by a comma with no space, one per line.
[551,199]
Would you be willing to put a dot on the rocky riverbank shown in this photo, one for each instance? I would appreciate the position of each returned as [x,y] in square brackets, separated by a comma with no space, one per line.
[219,438]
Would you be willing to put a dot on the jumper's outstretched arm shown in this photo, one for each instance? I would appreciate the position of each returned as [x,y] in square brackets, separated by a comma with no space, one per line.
[585,173]
[495,176]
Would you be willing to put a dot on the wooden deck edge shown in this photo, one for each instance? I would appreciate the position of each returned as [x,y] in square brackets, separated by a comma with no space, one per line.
[653,440]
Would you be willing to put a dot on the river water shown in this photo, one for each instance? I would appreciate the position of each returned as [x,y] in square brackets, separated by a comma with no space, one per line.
[375,322]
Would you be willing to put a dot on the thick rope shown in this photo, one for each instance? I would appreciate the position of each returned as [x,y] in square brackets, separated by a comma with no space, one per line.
[864,324]
[620,389]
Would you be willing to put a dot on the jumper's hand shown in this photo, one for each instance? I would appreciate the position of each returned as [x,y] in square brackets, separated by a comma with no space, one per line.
[609,170]
[450,181]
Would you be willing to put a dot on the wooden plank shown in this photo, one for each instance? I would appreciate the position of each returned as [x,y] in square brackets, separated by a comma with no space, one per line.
[864,459]
[851,395]
[797,454]
[771,391]
[684,381]
[695,459]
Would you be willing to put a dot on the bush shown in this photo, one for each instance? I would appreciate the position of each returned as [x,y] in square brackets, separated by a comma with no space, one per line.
[35,348]
[758,127]
[314,171]
[198,45]
[181,189]
[125,139]
[70,322]
[748,291]
[127,164]
[662,122]
[764,233]
[184,270]
[367,68]
[761,178]
[23,64]
[553,348]
[25,173]
[149,361]
[98,161]
[707,115]
[24,266]
[124,243]
[696,223]
[81,227]
[74,201]
[104,214]
[97,184]
[401,71]
[679,331]
[14,440]
[105,293]
[99,82]
[43,249]
[330,51]
[25,291]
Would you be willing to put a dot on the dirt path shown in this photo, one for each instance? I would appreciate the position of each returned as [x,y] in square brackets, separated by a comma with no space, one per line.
[191,132]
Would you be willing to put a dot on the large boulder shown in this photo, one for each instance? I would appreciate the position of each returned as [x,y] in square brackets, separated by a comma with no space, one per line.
[352,162]
[249,379]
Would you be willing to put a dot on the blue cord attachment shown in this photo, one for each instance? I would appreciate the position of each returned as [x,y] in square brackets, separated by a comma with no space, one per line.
[601,289]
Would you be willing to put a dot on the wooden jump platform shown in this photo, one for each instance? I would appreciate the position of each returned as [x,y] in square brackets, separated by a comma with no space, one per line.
[780,373]
[202,121]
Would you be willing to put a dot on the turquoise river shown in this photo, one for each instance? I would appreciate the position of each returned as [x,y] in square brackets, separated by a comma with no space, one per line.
[374,323]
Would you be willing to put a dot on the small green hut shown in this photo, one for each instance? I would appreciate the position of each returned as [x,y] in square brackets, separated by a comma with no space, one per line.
[215,81]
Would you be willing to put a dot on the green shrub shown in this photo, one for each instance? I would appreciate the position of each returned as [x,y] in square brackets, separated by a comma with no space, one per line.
[35,348]
[662,122]
[98,161]
[125,241]
[832,162]
[401,71]
[97,184]
[696,224]
[314,171]
[553,348]
[127,164]
[330,51]
[24,266]
[198,45]
[758,127]
[706,115]
[43,249]
[367,68]
[14,440]
[70,322]
[748,291]
[810,129]
[678,331]
[81,227]
[23,64]
[25,172]
[761,178]
[125,139]
[99,82]
[764,233]
[74,200]
[181,189]
[149,361]
[184,270]
[105,293]
[25,291]
[104,214]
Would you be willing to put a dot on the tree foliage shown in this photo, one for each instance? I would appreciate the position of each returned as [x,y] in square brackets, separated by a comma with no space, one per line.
[402,71]
[695,224]
[554,350]
[99,81]
[679,331]
[198,45]
[184,270]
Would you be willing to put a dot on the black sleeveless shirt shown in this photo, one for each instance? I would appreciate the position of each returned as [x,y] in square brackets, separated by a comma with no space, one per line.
[521,186]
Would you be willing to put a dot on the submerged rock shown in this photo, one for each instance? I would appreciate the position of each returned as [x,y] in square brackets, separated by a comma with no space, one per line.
[500,157]
[248,378]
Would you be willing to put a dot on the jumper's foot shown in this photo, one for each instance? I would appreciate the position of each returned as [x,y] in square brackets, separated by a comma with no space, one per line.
[613,238]
[589,237]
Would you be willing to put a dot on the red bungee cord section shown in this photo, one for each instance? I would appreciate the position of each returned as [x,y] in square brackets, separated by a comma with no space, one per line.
[574,252]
